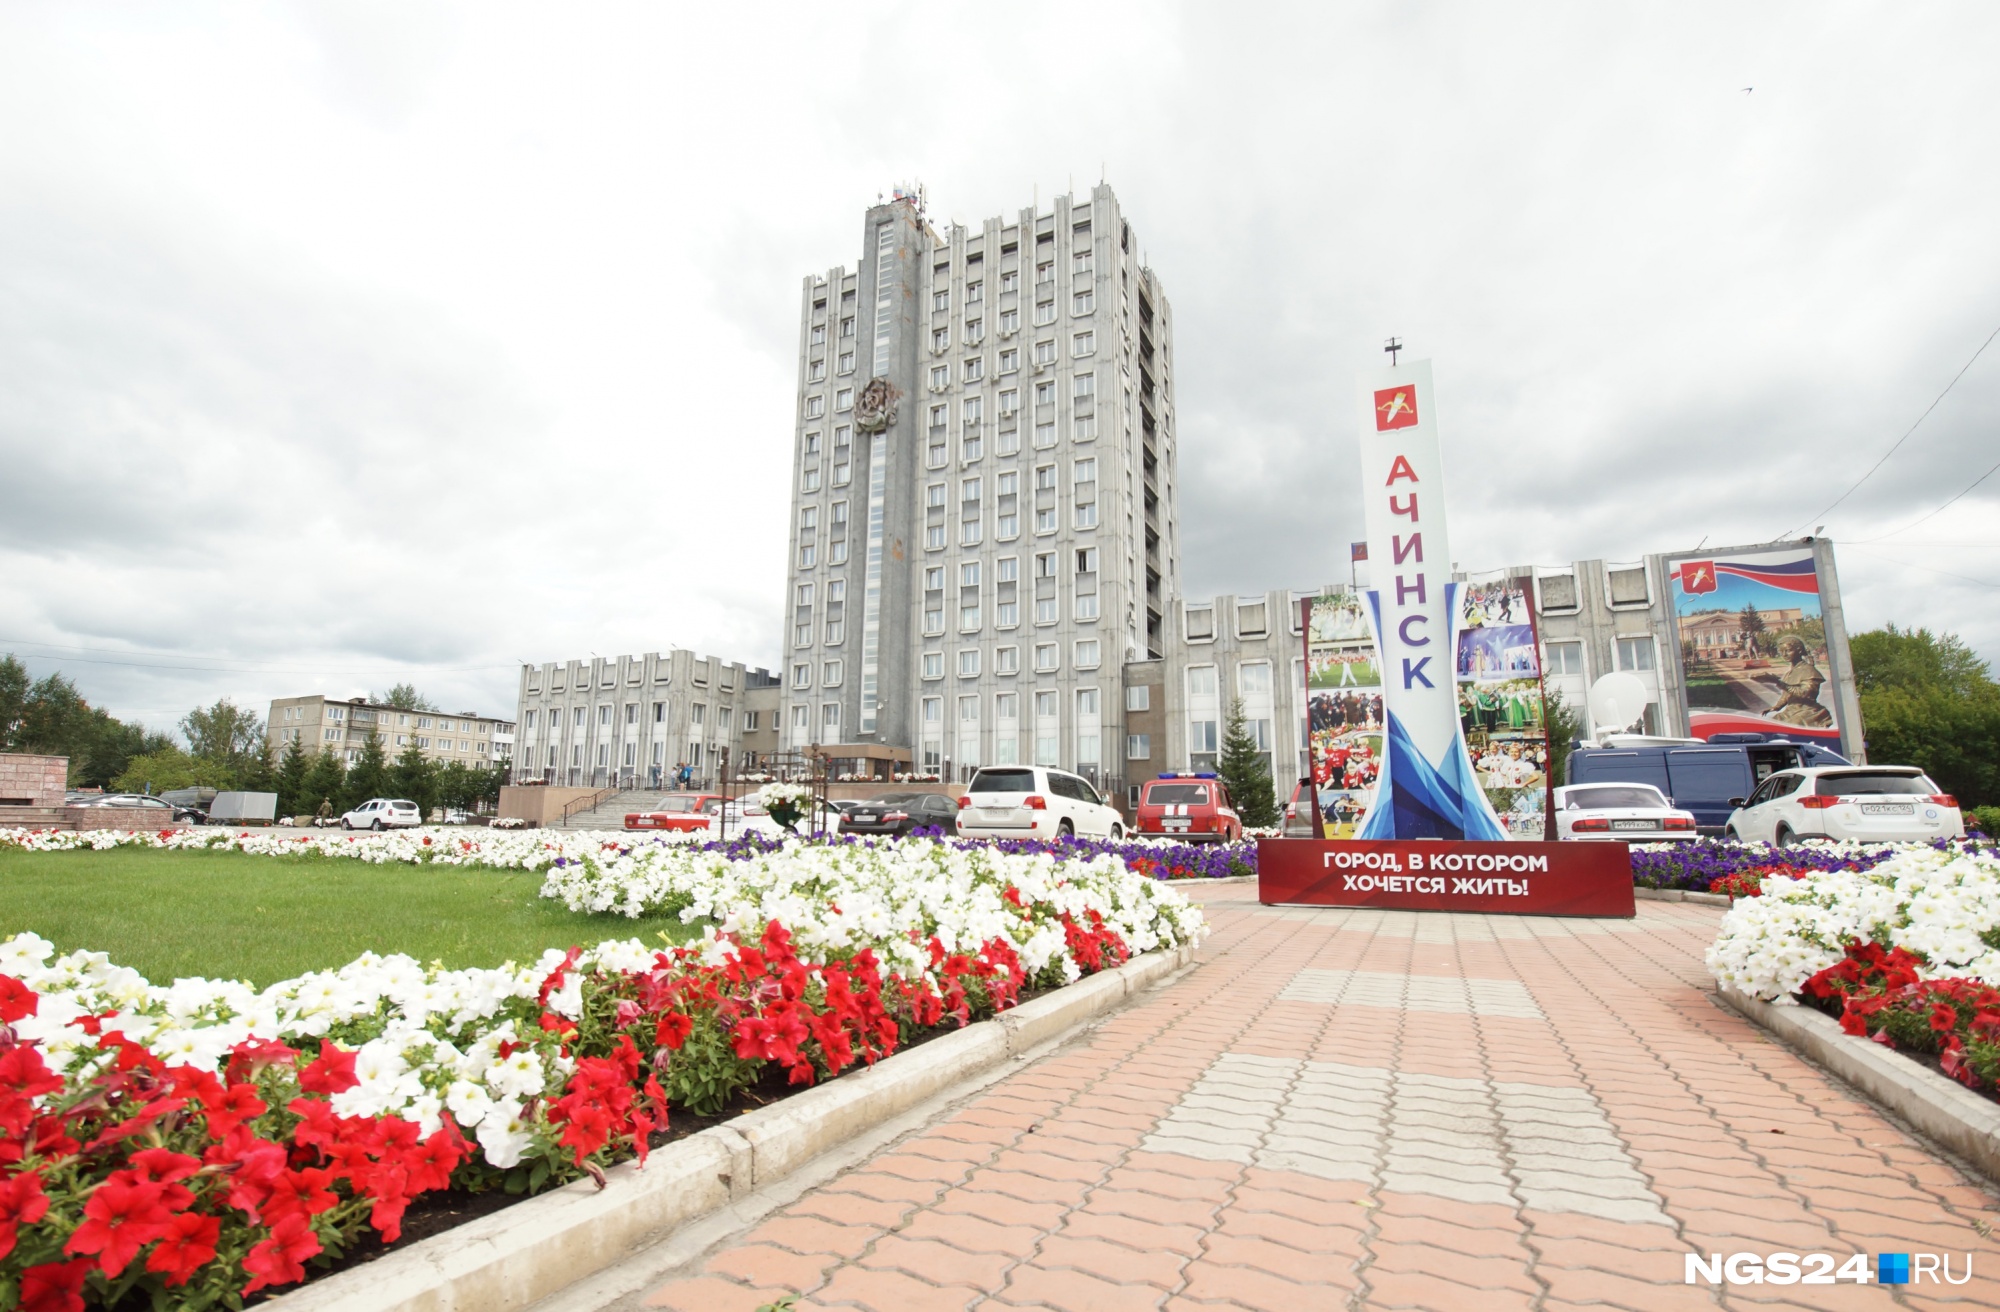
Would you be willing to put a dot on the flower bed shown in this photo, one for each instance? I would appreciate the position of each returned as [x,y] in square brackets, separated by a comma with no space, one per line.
[196,1143]
[1905,950]
[1696,866]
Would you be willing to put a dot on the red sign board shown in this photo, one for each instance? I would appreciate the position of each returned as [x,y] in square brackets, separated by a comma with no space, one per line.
[1395,407]
[1529,879]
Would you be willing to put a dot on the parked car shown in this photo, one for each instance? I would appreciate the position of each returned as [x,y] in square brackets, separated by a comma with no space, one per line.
[1034,801]
[383,813]
[900,814]
[1702,777]
[1194,807]
[680,811]
[1299,812]
[143,802]
[1628,813]
[1863,803]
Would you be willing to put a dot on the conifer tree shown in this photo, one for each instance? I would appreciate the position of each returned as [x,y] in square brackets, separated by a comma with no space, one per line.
[369,777]
[294,768]
[1246,769]
[326,781]
[415,779]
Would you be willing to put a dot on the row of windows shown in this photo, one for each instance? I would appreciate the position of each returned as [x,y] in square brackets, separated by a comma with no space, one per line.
[697,716]
[1007,706]
[1081,265]
[1084,388]
[1006,527]
[1007,614]
[1082,345]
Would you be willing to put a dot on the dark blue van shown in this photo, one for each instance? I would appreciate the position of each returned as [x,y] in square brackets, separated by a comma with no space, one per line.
[1702,777]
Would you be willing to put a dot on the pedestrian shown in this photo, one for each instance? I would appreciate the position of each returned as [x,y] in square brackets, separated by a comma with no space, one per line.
[324,816]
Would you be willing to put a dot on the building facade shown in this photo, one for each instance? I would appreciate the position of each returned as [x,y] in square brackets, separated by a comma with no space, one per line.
[630,721]
[319,723]
[984,512]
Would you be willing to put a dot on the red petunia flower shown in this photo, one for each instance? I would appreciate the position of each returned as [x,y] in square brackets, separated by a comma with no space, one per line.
[21,1203]
[331,1072]
[673,1029]
[280,1260]
[17,1000]
[188,1245]
[122,1217]
[54,1286]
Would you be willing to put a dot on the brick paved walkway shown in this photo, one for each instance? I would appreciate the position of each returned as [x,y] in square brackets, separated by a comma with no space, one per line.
[1382,1110]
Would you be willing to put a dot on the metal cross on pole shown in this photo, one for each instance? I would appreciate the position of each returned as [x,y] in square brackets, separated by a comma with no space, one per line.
[1392,346]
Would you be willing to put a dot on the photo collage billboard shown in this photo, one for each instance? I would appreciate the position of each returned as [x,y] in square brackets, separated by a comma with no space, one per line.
[1498,675]
[1753,645]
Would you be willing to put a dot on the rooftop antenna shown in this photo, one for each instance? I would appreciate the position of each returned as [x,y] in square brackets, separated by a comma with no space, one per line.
[1392,346]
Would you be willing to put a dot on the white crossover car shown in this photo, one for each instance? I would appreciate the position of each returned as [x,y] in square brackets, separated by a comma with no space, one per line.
[1033,801]
[383,813]
[1861,803]
[1628,813]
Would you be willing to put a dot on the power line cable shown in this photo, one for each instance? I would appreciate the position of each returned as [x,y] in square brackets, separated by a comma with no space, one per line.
[1899,441]
[1935,513]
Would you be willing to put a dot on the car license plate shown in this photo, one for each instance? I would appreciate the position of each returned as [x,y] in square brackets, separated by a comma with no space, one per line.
[1633,824]
[1175,824]
[1888,808]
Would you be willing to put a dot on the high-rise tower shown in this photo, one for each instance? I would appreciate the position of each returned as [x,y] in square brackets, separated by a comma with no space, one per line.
[984,524]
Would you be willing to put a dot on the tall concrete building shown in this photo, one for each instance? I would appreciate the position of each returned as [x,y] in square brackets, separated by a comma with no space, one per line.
[985,511]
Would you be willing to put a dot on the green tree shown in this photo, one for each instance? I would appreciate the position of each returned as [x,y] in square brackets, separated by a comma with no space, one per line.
[404,697]
[225,733]
[369,776]
[326,781]
[292,781]
[170,767]
[415,779]
[1246,769]
[1928,700]
[1564,727]
[48,716]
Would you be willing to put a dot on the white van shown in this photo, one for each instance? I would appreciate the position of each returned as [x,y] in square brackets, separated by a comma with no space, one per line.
[1034,801]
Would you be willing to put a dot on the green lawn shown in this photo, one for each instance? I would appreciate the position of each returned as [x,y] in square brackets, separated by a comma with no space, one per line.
[230,915]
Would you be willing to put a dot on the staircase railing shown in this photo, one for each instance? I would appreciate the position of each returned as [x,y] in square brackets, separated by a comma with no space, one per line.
[588,802]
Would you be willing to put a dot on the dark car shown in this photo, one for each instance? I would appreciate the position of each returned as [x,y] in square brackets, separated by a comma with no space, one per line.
[901,813]
[143,802]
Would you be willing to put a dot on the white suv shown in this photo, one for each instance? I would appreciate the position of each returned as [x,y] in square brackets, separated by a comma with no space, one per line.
[1033,801]
[1863,803]
[383,813]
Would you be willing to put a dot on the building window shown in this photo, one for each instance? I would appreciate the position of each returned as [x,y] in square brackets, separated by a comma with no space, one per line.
[844,399]
[933,665]
[840,474]
[968,617]
[1007,614]
[1085,427]
[1139,747]
[837,553]
[1635,653]
[801,716]
[941,300]
[968,710]
[1138,697]
[1010,321]
[659,712]
[846,363]
[1200,624]
[1046,657]
[1045,352]
[1083,344]
[1082,303]
[829,718]
[808,557]
[1045,435]
[1010,360]
[1006,706]
[1086,560]
[941,339]
[1007,660]
[1045,520]
[975,369]
[937,455]
[1254,679]
[1045,312]
[1085,386]
[940,379]
[1086,654]
[1201,681]
[1045,611]
[969,533]
[815,406]
[968,663]
[1045,393]
[1565,658]
[1007,527]
[934,618]
[836,632]
[934,538]
[1086,606]
[816,371]
[802,634]
[1086,515]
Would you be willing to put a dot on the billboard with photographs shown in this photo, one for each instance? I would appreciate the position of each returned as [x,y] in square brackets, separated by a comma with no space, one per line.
[1753,645]
[1499,676]
[1343,710]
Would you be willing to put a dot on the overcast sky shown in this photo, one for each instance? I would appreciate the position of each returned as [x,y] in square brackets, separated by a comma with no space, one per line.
[343,343]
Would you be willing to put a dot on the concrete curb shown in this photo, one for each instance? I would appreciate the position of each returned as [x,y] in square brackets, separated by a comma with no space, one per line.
[1681,895]
[1943,1110]
[524,1253]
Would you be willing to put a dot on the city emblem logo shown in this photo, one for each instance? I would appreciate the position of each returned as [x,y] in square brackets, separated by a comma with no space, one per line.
[1697,576]
[1396,407]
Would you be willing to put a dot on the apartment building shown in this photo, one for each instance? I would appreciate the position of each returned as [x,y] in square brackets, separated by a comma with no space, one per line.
[629,721]
[343,726]
[985,526]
